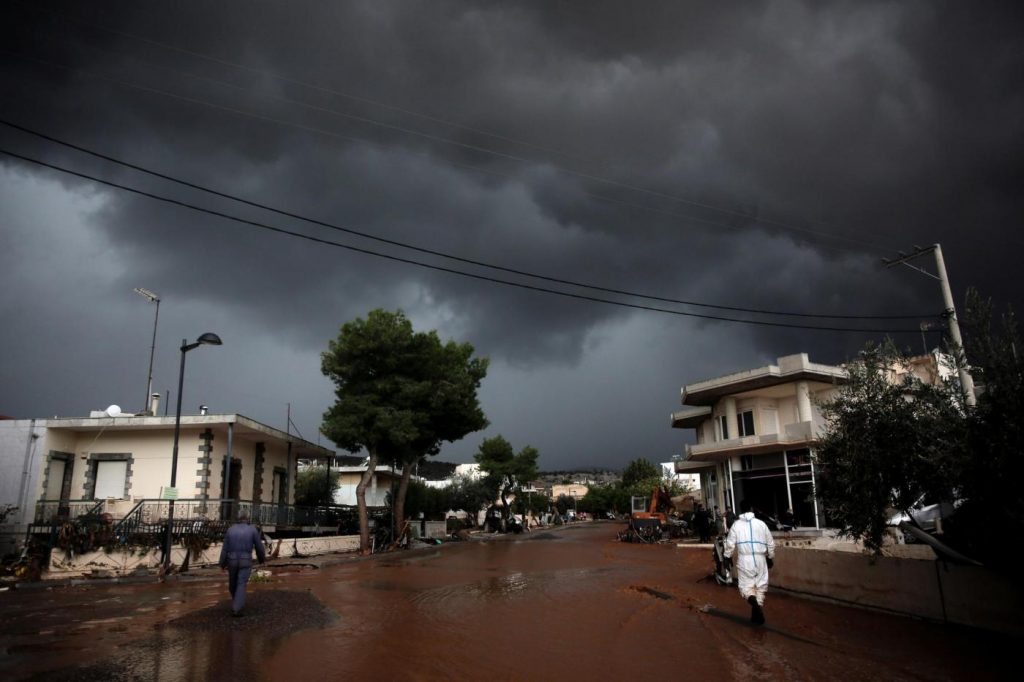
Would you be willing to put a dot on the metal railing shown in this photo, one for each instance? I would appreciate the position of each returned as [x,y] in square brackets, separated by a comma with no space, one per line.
[54,511]
[150,515]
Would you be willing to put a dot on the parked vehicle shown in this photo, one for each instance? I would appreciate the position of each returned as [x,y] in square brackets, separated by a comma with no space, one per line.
[926,518]
[723,576]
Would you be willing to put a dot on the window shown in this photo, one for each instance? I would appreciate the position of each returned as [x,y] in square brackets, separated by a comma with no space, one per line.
[110,479]
[745,422]
[723,424]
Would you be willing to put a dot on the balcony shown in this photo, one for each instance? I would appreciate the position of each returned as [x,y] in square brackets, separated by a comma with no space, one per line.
[795,434]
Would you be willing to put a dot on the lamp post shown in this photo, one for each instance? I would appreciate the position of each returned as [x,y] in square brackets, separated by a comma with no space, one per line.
[209,339]
[153,298]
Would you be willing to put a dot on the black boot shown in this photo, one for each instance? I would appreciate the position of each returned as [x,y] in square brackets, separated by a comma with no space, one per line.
[756,612]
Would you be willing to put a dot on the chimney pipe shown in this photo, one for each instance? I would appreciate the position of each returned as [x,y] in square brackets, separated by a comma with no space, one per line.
[154,403]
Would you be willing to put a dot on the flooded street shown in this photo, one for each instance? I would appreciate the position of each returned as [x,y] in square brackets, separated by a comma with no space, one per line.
[563,604]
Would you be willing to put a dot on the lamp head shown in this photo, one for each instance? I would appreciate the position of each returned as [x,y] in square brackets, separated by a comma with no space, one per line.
[210,339]
[153,298]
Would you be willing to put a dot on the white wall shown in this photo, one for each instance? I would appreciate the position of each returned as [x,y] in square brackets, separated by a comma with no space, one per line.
[20,465]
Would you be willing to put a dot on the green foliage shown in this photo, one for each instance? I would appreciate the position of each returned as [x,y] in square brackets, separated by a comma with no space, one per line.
[616,497]
[990,477]
[375,366]
[605,498]
[314,486]
[534,501]
[892,442]
[639,470]
[433,503]
[506,472]
[399,389]
[470,495]
[564,503]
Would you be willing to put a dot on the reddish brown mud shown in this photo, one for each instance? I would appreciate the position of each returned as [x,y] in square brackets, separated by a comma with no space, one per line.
[566,604]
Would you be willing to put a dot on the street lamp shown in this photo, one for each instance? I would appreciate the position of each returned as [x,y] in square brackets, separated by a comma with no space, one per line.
[209,339]
[153,298]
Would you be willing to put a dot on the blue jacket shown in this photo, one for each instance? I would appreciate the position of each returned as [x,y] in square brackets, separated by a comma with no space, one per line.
[239,542]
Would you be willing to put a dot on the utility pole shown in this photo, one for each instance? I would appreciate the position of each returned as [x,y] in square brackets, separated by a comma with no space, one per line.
[966,382]
[152,298]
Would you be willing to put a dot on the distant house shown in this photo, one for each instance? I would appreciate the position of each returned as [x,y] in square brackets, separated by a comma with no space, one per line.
[61,468]
[689,481]
[574,490]
[384,480]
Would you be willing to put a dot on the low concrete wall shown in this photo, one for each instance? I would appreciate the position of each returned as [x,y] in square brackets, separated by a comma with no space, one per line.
[936,590]
[118,563]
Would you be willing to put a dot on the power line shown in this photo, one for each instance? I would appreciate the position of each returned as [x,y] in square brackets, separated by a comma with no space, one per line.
[440,268]
[433,252]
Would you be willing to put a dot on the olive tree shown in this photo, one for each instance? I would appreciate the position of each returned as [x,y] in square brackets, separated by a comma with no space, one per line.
[891,442]
[505,470]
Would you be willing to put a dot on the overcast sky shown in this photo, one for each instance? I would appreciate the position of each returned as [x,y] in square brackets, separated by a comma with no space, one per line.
[764,155]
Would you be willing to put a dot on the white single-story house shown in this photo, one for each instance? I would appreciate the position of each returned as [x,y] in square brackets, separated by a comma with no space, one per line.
[61,468]
[385,477]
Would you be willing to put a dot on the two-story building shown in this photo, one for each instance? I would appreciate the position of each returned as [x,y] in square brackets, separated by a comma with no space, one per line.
[755,432]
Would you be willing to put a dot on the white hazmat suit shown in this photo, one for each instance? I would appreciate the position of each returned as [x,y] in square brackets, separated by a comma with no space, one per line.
[752,543]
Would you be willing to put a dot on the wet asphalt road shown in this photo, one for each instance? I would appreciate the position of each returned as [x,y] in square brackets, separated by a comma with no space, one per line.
[565,604]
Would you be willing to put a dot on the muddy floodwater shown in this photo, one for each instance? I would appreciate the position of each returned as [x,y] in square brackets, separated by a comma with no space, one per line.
[567,604]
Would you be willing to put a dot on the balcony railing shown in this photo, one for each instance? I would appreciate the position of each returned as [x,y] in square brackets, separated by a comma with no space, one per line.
[55,511]
[793,433]
[148,516]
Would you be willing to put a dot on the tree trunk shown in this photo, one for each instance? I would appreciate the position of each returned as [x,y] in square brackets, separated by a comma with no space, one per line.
[504,510]
[399,501]
[364,521]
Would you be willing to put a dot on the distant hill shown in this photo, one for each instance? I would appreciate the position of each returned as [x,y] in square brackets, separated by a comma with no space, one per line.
[592,475]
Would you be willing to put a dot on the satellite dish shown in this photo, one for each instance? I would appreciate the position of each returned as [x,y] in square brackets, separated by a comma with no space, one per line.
[113,411]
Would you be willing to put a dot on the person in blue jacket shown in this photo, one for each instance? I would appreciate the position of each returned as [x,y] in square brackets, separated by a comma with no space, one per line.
[236,558]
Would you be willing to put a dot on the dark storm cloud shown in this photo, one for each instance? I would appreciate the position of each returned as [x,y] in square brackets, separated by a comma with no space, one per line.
[762,156]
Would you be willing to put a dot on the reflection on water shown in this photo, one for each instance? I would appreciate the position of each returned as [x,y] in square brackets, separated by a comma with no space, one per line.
[549,584]
[208,643]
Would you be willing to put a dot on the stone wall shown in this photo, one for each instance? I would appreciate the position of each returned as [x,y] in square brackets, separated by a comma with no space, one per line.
[124,563]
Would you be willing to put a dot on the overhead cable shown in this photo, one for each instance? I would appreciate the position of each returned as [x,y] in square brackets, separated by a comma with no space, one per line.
[433,252]
[440,268]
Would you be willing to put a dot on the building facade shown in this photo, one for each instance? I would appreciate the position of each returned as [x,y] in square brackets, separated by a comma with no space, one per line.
[755,434]
[63,467]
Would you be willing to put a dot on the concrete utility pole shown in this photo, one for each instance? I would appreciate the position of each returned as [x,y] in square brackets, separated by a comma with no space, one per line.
[152,298]
[947,299]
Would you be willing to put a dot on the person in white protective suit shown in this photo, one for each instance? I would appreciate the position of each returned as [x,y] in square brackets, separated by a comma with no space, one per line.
[752,543]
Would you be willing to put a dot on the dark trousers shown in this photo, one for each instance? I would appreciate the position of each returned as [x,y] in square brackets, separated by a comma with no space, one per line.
[238,576]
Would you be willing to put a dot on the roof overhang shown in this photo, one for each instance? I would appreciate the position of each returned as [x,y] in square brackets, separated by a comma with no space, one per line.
[243,427]
[691,467]
[790,369]
[690,418]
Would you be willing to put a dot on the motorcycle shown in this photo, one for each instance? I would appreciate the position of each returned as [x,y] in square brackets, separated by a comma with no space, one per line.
[723,572]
